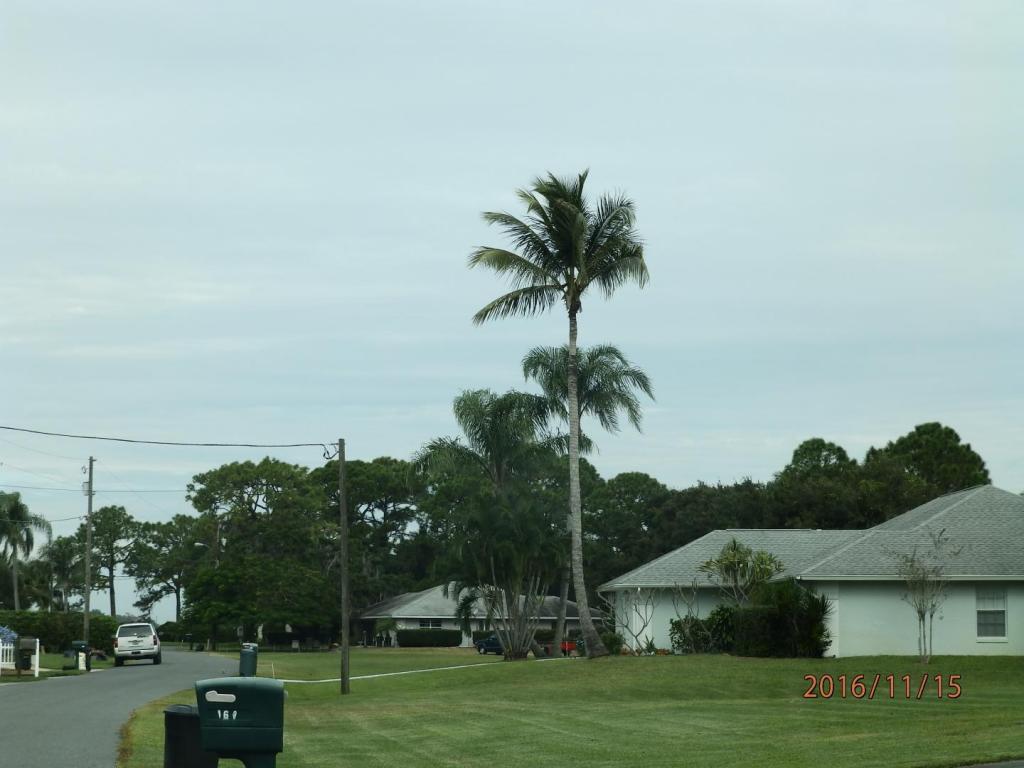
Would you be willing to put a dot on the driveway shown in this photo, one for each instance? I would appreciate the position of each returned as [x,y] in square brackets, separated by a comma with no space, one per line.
[74,721]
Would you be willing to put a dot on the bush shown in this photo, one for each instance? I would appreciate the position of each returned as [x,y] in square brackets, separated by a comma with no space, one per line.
[719,624]
[783,619]
[170,631]
[544,635]
[429,638]
[56,630]
[613,642]
[690,635]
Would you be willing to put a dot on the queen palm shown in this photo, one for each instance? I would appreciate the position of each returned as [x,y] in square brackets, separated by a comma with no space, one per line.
[563,248]
[608,384]
[17,528]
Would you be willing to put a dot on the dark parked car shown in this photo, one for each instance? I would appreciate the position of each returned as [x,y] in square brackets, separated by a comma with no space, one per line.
[489,645]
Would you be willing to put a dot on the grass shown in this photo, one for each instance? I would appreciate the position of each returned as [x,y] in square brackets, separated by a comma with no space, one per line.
[363,661]
[51,661]
[652,711]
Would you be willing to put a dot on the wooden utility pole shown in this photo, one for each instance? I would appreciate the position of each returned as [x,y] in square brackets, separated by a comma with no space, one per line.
[343,559]
[88,554]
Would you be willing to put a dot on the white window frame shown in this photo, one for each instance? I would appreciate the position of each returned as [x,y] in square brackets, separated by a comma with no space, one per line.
[431,624]
[978,597]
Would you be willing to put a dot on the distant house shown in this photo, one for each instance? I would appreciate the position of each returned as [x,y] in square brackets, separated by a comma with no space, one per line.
[983,612]
[430,609]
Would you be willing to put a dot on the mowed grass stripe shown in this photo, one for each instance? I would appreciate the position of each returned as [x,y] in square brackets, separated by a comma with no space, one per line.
[655,711]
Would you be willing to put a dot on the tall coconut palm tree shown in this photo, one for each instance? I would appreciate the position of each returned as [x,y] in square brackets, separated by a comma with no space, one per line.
[564,246]
[17,528]
[608,384]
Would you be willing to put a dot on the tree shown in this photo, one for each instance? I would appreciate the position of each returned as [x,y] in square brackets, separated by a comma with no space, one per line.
[923,570]
[565,246]
[503,546]
[739,569]
[112,532]
[817,489]
[17,534]
[607,385]
[160,559]
[267,548]
[935,454]
[63,555]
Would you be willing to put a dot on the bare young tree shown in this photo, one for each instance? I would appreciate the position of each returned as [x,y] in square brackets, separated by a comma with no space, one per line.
[924,573]
[633,614]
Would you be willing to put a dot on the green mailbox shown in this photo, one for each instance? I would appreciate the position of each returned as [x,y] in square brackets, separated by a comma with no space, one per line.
[242,718]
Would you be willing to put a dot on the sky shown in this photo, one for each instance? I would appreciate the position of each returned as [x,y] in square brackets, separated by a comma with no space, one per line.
[249,222]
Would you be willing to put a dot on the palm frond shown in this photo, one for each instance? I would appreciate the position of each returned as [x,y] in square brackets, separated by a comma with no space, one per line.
[530,300]
[521,270]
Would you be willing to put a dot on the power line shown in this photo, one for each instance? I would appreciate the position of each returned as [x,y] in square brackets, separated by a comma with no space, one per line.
[80,490]
[327,451]
[52,478]
[44,453]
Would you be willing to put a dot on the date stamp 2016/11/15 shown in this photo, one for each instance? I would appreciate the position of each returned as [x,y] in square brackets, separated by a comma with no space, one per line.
[880,686]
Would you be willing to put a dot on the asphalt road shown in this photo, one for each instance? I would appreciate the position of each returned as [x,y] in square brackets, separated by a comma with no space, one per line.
[74,721]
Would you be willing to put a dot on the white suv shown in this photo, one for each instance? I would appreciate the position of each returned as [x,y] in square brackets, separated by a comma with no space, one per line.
[136,641]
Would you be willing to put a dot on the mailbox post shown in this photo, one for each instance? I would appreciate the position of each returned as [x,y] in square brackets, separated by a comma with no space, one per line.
[242,718]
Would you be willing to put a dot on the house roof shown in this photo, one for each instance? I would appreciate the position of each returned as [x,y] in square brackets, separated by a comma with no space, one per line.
[797,548]
[432,604]
[984,526]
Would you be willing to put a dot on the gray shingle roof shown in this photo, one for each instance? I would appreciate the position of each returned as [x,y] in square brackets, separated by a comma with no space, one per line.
[797,548]
[432,604]
[986,524]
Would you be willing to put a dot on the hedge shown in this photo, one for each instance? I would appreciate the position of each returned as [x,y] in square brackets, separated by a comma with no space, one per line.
[429,638]
[56,630]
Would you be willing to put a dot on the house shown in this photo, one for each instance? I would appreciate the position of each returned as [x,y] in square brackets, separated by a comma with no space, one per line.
[983,610]
[432,609]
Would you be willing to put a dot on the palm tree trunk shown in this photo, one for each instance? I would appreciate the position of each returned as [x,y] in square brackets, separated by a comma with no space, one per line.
[177,604]
[14,579]
[591,639]
[563,601]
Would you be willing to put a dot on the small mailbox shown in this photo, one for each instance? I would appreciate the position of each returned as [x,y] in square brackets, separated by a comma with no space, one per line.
[242,718]
[247,660]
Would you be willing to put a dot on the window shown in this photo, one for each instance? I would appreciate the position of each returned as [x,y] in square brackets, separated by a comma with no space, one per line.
[430,623]
[991,606]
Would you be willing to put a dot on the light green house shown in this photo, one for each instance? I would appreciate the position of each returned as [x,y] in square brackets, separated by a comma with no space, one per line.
[983,607]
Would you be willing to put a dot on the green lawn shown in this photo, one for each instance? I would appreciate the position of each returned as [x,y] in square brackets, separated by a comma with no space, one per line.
[363,661]
[653,711]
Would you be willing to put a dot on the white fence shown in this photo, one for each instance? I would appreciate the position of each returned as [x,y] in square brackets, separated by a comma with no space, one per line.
[6,657]
[9,656]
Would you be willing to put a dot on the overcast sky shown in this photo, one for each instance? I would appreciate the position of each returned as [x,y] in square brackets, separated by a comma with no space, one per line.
[249,222]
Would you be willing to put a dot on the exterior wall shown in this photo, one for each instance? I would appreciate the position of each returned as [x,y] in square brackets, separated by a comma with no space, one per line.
[477,625]
[871,618]
[656,609]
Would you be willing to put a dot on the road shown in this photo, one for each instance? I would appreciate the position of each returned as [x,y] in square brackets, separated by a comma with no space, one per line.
[75,721]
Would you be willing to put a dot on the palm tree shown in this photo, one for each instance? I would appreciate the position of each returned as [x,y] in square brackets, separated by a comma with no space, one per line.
[17,525]
[607,385]
[503,551]
[64,557]
[565,246]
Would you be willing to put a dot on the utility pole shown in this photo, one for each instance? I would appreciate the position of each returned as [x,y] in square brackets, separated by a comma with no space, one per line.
[343,558]
[88,554]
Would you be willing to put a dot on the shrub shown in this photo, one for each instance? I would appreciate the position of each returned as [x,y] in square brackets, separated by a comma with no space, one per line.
[719,624]
[690,635]
[544,635]
[613,642]
[429,638]
[170,631]
[783,619]
[56,630]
